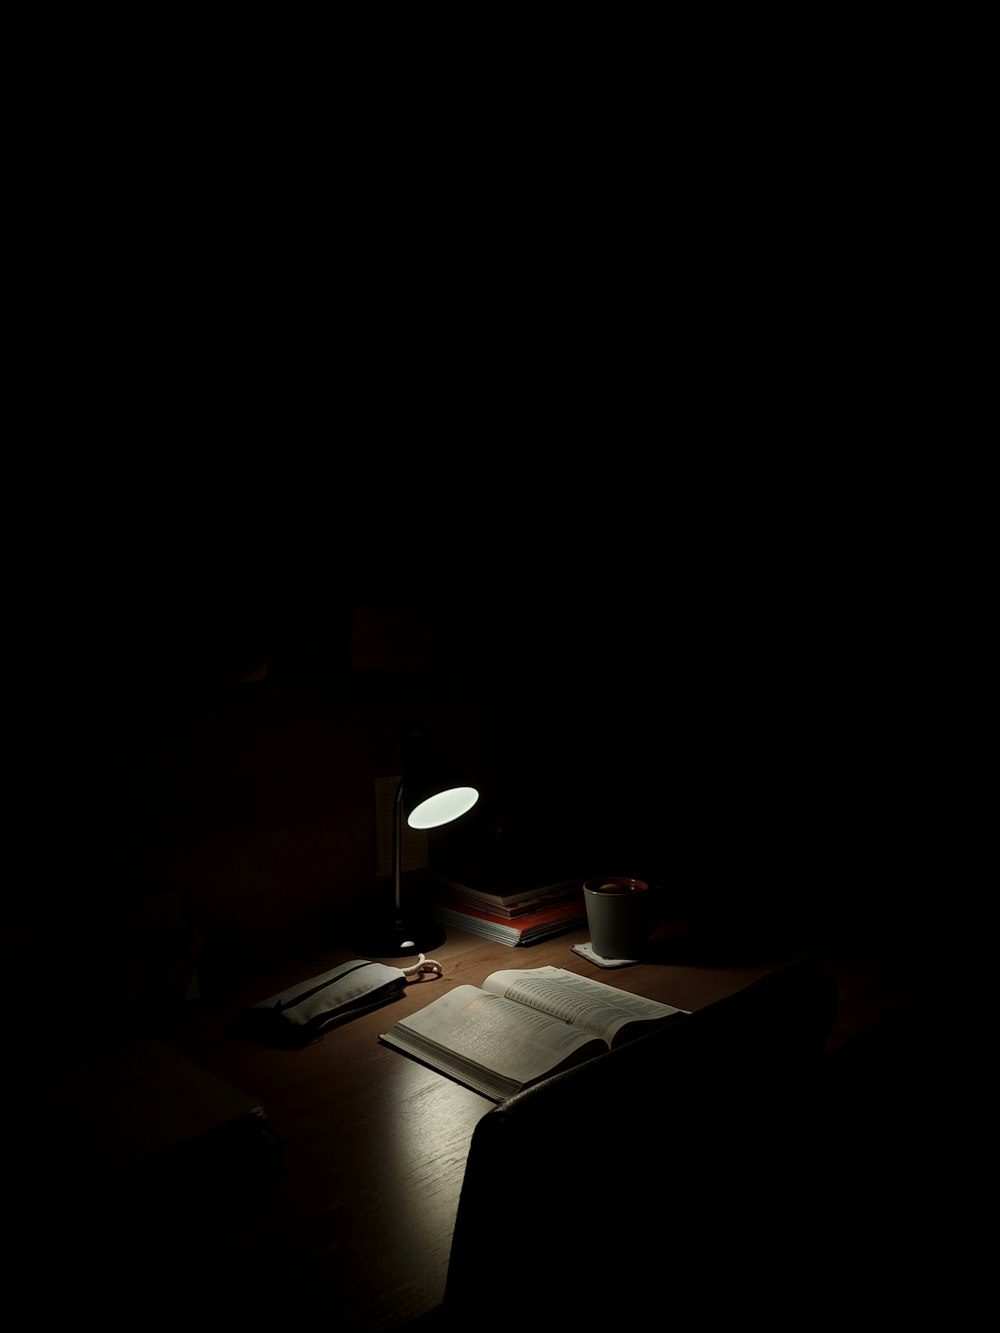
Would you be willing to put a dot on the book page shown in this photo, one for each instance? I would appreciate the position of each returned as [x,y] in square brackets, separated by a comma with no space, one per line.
[598,1008]
[491,1043]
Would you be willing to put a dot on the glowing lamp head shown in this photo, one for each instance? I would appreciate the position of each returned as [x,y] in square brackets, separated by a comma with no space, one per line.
[442,808]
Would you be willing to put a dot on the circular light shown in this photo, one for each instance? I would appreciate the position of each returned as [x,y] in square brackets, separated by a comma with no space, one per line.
[443,808]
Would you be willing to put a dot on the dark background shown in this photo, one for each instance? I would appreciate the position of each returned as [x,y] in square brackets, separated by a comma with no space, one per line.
[735,698]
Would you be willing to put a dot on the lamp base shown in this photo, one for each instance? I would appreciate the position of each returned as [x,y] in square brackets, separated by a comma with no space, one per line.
[395,936]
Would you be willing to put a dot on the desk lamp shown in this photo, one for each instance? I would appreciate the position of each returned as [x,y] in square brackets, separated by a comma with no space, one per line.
[428,794]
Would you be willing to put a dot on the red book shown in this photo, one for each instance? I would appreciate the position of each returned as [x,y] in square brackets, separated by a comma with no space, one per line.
[508,899]
[552,917]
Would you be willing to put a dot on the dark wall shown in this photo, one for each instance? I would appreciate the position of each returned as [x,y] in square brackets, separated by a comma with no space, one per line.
[745,739]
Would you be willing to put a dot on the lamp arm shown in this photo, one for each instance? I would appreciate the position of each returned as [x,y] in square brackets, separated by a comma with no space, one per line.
[397,846]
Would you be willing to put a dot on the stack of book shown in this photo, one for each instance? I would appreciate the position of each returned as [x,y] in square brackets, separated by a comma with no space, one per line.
[517,915]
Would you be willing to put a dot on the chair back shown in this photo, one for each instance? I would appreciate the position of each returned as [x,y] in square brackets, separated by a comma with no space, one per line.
[648,1169]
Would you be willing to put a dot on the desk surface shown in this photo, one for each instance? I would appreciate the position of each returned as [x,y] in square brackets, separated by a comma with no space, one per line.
[361,1222]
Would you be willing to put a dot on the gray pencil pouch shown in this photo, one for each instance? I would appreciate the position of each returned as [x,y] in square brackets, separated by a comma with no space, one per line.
[304,1012]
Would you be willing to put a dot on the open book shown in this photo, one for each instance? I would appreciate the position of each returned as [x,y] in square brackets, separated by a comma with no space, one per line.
[521,1026]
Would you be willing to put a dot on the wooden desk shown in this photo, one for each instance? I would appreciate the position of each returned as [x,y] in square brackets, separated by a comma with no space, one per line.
[356,1234]
[360,1225]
